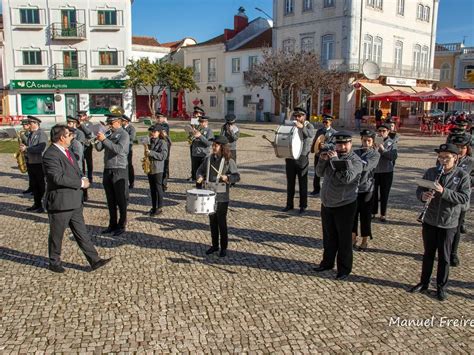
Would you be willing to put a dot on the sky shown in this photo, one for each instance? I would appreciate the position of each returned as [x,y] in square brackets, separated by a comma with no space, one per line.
[170,20]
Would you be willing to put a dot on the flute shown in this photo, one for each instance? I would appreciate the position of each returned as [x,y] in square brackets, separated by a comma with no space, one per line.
[421,217]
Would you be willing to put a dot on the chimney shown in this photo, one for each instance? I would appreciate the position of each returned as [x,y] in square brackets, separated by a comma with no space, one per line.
[240,20]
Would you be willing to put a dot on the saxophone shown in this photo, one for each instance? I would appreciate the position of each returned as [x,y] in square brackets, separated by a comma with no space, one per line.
[19,155]
[146,163]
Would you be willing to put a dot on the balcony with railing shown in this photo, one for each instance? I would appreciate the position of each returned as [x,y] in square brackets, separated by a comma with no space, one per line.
[448,47]
[74,31]
[60,71]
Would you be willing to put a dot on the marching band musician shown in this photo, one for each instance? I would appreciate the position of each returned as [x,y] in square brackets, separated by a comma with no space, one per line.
[370,158]
[197,112]
[384,172]
[77,143]
[231,132]
[25,123]
[392,134]
[115,146]
[162,120]
[157,153]
[328,133]
[300,166]
[210,169]
[34,148]
[341,170]
[466,163]
[130,129]
[444,204]
[84,126]
[200,145]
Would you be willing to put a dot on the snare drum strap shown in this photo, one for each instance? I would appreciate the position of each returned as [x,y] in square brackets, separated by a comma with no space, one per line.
[221,168]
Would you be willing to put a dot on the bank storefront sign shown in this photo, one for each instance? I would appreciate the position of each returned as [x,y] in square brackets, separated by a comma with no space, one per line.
[66,84]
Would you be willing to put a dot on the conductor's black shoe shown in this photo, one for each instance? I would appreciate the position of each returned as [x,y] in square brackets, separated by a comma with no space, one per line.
[27,191]
[463,229]
[321,268]
[118,231]
[56,268]
[100,263]
[33,208]
[152,212]
[286,209]
[223,253]
[314,193]
[342,276]
[39,210]
[108,230]
[302,210]
[211,250]
[441,294]
[418,288]
[454,260]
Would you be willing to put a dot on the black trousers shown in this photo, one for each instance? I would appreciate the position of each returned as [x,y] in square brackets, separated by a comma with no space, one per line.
[441,240]
[87,161]
[457,235]
[337,237]
[218,222]
[383,182]
[191,157]
[316,179]
[195,164]
[166,173]
[116,191]
[38,184]
[131,170]
[296,168]
[30,179]
[74,219]
[156,189]
[364,210]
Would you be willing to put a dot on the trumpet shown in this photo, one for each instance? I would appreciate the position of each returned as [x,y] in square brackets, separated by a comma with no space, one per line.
[107,134]
[421,217]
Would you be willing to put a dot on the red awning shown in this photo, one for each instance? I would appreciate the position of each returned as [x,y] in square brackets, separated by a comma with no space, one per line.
[396,95]
[445,95]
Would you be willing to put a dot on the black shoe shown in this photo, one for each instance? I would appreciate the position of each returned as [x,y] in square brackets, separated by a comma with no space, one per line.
[33,208]
[286,209]
[314,193]
[302,210]
[100,263]
[39,210]
[223,253]
[454,261]
[321,268]
[441,294]
[56,268]
[165,187]
[152,212]
[211,250]
[108,230]
[131,186]
[418,288]
[85,196]
[191,179]
[463,229]
[341,277]
[118,231]
[28,191]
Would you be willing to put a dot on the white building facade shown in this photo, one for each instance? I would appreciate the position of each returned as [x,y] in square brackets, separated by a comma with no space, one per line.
[64,56]
[397,37]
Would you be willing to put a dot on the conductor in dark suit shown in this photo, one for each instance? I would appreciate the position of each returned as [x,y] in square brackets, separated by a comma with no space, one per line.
[64,200]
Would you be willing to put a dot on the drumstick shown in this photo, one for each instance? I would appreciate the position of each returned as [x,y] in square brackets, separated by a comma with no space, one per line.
[265,137]
[218,174]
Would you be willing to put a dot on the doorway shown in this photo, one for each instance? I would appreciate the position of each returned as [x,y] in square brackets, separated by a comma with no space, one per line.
[72,104]
[230,107]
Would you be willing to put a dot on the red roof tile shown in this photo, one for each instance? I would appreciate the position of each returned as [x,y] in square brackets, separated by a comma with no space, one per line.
[215,40]
[145,41]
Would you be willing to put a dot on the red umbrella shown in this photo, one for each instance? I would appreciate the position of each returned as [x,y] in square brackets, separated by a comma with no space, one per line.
[164,102]
[396,95]
[445,95]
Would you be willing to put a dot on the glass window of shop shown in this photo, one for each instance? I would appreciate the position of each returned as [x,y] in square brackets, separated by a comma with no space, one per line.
[99,103]
[37,104]
[325,102]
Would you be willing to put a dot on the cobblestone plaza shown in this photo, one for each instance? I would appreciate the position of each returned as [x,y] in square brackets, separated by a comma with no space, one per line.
[162,294]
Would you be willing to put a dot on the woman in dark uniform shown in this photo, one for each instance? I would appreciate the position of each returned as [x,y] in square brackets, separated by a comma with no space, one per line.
[229,174]
[370,158]
[157,153]
[451,190]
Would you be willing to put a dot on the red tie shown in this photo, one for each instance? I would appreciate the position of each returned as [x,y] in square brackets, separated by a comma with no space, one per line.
[69,156]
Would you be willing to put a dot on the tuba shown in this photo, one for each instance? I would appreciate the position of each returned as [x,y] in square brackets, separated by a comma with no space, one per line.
[19,155]
[116,110]
[146,163]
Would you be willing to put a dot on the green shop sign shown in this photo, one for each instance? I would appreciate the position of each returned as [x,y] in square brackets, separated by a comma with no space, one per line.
[66,84]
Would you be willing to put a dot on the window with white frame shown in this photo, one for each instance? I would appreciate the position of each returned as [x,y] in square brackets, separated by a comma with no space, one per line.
[377,51]
[307,44]
[367,47]
[32,57]
[424,58]
[329,3]
[197,69]
[288,45]
[289,5]
[235,65]
[417,57]
[108,58]
[426,14]
[307,5]
[213,101]
[379,4]
[371,3]
[211,70]
[419,11]
[468,70]
[107,17]
[445,72]
[29,16]
[327,48]
[401,7]
[253,59]
[398,58]
[246,100]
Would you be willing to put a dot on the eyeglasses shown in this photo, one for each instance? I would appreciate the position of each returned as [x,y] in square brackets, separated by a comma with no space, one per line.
[445,159]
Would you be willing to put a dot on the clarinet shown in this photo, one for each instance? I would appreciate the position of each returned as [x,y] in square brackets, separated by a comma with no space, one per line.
[421,217]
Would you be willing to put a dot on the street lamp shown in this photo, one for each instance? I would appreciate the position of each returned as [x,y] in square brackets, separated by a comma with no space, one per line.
[263,12]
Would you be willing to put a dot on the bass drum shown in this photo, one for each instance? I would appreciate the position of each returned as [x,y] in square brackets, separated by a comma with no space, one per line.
[288,142]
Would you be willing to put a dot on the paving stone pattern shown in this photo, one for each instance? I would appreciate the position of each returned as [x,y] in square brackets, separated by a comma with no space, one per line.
[162,294]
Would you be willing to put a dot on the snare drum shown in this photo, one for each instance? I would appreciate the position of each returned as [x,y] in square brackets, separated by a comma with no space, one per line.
[200,201]
[288,142]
